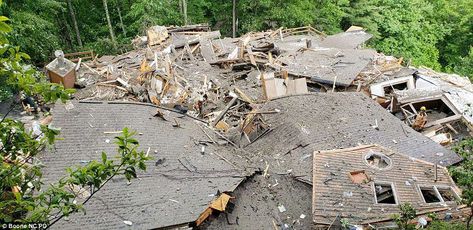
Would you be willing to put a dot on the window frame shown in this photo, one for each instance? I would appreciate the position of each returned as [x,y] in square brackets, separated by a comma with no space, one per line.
[437,193]
[385,183]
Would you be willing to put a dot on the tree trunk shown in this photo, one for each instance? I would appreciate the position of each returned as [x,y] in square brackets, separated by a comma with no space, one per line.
[469,218]
[74,21]
[110,28]
[180,6]
[184,10]
[234,19]
[121,20]
[65,30]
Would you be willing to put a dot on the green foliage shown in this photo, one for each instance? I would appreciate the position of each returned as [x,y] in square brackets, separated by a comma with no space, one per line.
[407,214]
[30,204]
[437,33]
[17,76]
[22,200]
[35,26]
[464,65]
[462,173]
[442,225]
[401,28]
[19,172]
[146,13]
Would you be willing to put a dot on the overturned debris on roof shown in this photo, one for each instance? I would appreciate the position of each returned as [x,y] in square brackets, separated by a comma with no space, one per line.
[327,65]
[393,179]
[351,39]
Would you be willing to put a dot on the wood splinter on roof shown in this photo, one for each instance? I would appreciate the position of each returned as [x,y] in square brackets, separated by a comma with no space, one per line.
[217,206]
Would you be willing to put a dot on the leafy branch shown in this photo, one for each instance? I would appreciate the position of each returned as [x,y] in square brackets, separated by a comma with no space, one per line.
[71,193]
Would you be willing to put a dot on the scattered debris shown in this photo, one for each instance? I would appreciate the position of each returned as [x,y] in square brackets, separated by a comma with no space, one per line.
[253,96]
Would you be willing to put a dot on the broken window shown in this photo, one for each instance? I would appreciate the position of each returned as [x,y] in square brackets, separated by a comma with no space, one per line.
[384,193]
[434,194]
[447,194]
[430,195]
[377,160]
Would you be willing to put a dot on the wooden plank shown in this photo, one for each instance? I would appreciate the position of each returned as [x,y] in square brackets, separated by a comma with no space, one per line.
[444,120]
[224,111]
[243,96]
[207,51]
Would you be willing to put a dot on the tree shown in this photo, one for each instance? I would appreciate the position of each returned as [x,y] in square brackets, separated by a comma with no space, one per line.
[110,28]
[22,200]
[463,174]
[74,22]
[120,17]
[183,5]
[146,13]
[36,28]
[465,65]
[234,18]
[407,214]
[404,28]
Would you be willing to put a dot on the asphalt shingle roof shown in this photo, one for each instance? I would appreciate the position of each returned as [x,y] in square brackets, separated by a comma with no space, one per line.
[172,192]
[324,121]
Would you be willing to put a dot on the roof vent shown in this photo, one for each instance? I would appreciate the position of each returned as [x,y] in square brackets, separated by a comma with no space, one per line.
[378,160]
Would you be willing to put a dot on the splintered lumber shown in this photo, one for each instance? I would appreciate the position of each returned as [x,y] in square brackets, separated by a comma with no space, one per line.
[113,86]
[224,111]
[85,55]
[243,96]
[188,28]
[123,82]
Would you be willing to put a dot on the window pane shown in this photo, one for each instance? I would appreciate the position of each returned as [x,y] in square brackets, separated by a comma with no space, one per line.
[384,194]
[430,196]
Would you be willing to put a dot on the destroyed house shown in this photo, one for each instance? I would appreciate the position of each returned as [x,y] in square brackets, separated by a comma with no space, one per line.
[317,121]
[224,134]
[282,194]
[446,96]
[366,184]
[180,182]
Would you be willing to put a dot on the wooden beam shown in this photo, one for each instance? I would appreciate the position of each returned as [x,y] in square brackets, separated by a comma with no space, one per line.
[224,111]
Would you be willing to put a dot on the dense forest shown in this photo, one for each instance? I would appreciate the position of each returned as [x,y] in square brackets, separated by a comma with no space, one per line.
[433,33]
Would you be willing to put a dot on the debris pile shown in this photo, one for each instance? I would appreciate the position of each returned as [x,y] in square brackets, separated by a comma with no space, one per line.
[258,118]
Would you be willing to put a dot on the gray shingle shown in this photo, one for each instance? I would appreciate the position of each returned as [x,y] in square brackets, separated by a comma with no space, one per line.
[165,195]
[326,121]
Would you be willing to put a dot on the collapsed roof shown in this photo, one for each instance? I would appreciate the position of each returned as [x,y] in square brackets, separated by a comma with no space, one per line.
[324,121]
[179,182]
[225,85]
